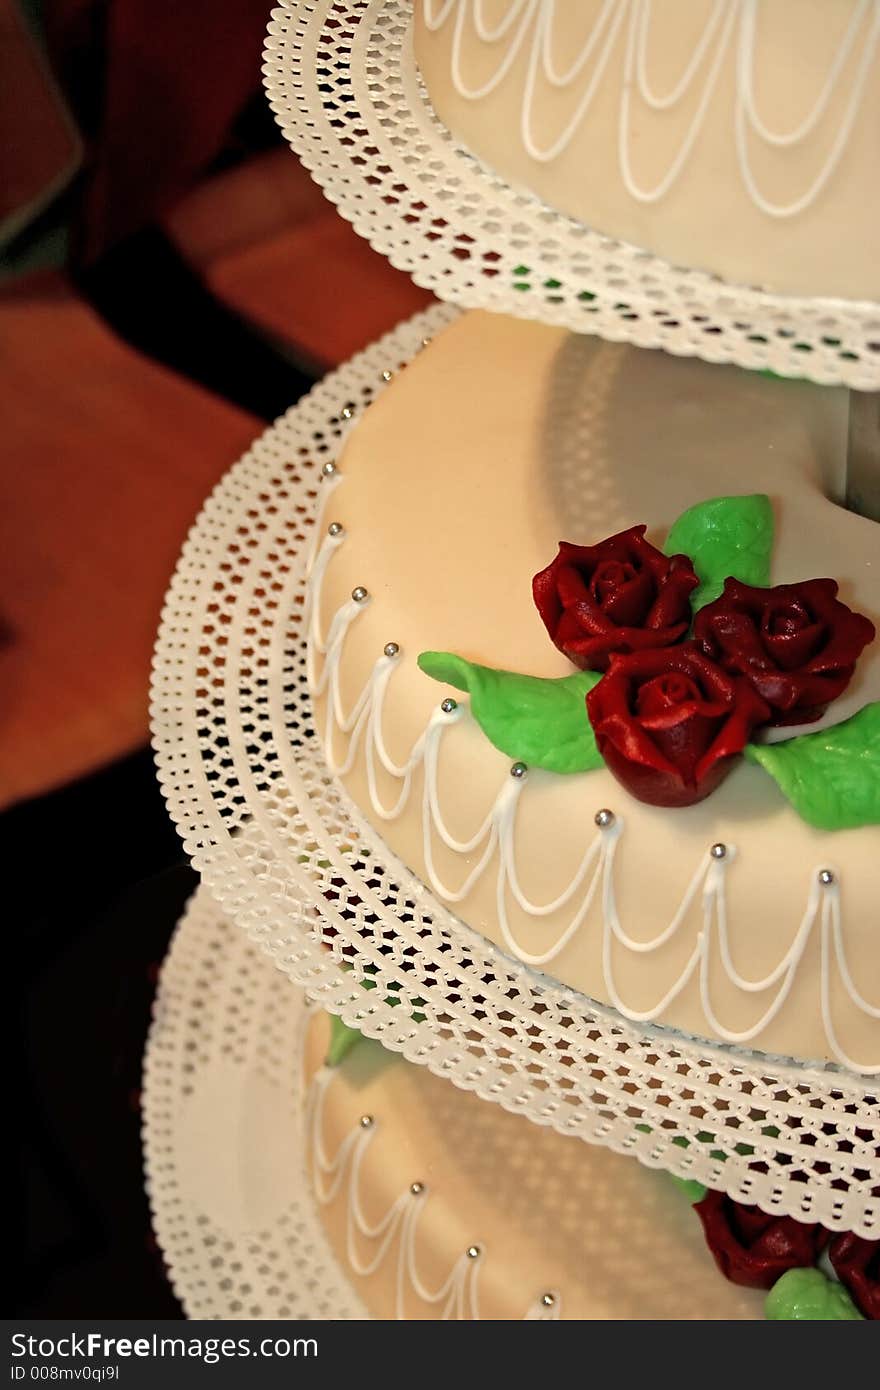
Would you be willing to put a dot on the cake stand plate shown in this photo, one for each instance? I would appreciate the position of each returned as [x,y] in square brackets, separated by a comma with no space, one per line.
[286,855]
[224,1146]
[341,78]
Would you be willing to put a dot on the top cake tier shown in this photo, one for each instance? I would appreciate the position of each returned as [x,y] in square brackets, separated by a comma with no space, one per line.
[738,138]
[737,154]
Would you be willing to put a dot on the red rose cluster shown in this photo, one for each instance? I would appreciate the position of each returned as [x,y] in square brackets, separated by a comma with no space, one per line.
[754,1248]
[672,715]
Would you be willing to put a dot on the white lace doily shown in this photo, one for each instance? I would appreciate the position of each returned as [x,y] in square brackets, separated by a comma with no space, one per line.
[283,851]
[224,1148]
[226,1145]
[342,82]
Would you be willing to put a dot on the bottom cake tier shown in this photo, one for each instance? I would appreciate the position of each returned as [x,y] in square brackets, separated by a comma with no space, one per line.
[438,1204]
[296,1170]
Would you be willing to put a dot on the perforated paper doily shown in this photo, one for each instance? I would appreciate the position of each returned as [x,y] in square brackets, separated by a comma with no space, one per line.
[341,79]
[283,851]
[224,1147]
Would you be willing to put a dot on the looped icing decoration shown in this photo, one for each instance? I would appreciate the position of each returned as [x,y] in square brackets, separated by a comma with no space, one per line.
[593,880]
[730,28]
[457,1295]
[476,241]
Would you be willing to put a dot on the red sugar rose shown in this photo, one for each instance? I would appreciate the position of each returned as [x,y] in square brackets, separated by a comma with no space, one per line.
[856,1263]
[752,1247]
[796,643]
[670,723]
[622,595]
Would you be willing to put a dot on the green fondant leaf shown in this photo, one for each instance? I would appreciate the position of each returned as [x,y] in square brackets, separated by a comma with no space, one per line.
[693,1190]
[342,1040]
[831,777]
[727,538]
[539,722]
[808,1295]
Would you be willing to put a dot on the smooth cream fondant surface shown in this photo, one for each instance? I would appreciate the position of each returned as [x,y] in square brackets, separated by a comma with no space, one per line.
[787,61]
[502,438]
[549,1212]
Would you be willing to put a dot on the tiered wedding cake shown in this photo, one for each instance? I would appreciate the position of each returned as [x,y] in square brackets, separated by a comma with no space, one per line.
[591,823]
[604,850]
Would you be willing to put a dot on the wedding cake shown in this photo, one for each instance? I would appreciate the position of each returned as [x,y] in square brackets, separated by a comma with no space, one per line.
[592,645]
[550,754]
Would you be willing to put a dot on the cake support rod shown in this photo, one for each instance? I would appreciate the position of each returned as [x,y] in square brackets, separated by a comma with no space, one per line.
[862,485]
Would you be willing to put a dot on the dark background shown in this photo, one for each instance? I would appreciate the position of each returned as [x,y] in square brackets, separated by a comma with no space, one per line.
[102,882]
[161,98]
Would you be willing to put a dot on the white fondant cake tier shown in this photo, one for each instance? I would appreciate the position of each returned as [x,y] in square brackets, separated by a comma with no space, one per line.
[731,136]
[500,439]
[555,1228]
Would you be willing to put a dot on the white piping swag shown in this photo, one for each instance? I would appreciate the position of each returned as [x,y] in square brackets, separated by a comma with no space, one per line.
[458,1294]
[731,27]
[595,873]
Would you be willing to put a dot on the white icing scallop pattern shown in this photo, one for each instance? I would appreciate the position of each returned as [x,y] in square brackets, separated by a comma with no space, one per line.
[729,34]
[494,841]
[457,1296]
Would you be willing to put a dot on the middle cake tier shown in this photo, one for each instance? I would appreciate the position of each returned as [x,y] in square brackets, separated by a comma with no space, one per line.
[734,919]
